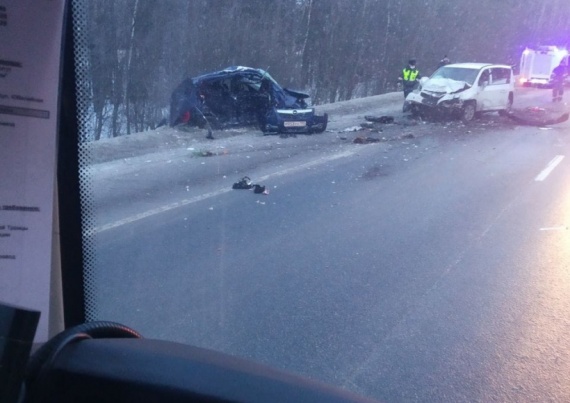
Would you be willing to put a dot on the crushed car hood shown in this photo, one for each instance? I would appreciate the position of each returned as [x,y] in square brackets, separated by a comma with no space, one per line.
[445,85]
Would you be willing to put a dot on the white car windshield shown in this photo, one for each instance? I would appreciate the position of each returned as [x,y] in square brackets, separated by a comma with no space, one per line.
[457,74]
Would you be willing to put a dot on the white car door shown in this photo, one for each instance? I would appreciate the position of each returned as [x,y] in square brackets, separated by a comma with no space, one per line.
[485,91]
[501,81]
[497,91]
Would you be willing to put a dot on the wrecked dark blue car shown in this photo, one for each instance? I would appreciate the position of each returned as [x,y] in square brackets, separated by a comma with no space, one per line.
[243,96]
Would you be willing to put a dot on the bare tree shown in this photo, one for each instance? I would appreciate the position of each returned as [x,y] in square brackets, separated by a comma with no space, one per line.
[335,49]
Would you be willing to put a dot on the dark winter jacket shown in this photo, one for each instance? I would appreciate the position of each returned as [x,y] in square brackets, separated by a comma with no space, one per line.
[558,74]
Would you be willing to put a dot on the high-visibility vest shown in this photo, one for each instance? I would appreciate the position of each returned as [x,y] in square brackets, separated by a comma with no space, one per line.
[410,75]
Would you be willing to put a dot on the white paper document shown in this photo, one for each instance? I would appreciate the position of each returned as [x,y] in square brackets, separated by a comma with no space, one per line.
[30,59]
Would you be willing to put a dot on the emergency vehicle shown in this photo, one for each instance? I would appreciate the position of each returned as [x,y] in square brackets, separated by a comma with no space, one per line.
[537,64]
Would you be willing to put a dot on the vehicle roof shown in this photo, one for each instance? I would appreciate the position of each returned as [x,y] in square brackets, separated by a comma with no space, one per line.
[229,71]
[546,48]
[476,66]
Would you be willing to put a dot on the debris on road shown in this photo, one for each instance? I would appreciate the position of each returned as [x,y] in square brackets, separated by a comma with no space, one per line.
[353,129]
[535,116]
[365,140]
[259,189]
[371,126]
[245,183]
[380,119]
[203,153]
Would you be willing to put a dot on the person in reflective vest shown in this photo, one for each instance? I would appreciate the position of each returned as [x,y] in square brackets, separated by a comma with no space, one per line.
[410,76]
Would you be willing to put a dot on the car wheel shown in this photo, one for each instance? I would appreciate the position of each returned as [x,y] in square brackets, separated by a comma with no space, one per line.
[415,110]
[507,110]
[321,122]
[469,111]
[262,126]
[266,131]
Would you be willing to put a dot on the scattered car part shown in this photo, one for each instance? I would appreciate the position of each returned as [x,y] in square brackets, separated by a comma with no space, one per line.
[365,140]
[535,116]
[379,119]
[245,183]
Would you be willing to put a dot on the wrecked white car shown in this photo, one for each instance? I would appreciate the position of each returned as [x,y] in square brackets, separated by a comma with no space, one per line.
[464,90]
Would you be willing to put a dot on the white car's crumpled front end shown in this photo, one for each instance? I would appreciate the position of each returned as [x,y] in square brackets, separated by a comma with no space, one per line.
[439,92]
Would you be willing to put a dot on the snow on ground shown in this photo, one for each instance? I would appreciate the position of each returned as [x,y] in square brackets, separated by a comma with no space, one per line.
[345,118]
[165,139]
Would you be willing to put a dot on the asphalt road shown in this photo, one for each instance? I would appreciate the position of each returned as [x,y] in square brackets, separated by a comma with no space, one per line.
[433,265]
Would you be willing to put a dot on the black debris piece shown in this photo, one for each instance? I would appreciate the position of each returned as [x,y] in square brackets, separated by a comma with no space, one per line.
[258,189]
[380,119]
[244,183]
[365,140]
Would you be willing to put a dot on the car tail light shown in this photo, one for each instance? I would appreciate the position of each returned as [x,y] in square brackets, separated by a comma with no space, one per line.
[186,117]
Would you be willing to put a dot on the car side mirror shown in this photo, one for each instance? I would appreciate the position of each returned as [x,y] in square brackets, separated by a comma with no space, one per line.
[423,80]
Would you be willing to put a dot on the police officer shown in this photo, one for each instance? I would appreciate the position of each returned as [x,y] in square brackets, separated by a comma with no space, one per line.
[409,78]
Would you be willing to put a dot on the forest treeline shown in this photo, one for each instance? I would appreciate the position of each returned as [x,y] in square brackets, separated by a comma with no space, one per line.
[137,51]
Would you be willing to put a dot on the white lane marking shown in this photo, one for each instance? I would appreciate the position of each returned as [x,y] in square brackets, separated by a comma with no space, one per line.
[561,228]
[549,168]
[215,193]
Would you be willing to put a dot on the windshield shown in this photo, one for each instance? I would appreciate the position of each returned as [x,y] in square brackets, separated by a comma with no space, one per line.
[342,231]
[457,73]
